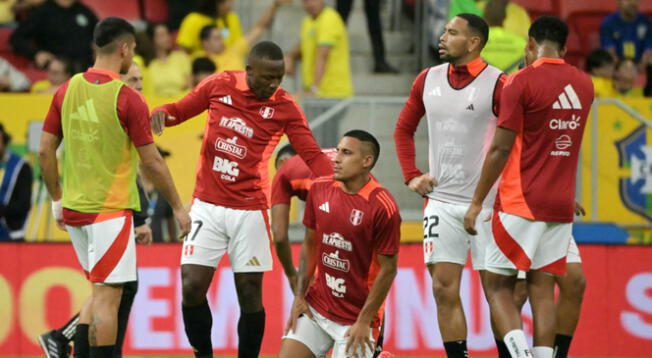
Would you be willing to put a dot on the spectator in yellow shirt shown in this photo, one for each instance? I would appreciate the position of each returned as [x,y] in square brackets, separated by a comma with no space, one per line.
[600,65]
[167,71]
[625,79]
[59,71]
[324,52]
[504,49]
[209,13]
[233,57]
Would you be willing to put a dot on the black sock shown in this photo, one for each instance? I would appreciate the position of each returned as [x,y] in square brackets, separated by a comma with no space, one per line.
[129,290]
[102,352]
[198,322]
[81,341]
[503,352]
[251,327]
[456,349]
[68,329]
[562,344]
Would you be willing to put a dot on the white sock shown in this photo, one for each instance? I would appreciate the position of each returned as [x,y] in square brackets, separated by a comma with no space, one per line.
[517,344]
[543,352]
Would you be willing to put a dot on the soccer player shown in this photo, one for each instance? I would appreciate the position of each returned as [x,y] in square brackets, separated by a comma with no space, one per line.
[543,112]
[56,343]
[460,100]
[293,178]
[248,113]
[104,126]
[352,242]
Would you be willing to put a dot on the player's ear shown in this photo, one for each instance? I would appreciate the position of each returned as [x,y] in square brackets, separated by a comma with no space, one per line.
[368,161]
[562,52]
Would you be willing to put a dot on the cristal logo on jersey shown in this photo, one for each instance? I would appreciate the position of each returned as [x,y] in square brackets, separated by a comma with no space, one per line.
[238,125]
[560,124]
[231,147]
[333,260]
[635,156]
[337,285]
[356,217]
[567,99]
[337,240]
[266,112]
[228,168]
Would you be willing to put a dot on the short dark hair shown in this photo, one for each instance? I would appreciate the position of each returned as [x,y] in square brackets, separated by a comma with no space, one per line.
[203,65]
[598,58]
[205,32]
[477,25]
[266,50]
[549,28]
[6,137]
[286,149]
[366,137]
[111,29]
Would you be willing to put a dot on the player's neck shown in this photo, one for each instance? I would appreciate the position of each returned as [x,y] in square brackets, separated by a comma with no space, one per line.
[355,184]
[465,60]
[107,64]
[547,50]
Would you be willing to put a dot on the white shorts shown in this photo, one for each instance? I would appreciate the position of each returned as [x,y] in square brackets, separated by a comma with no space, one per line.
[106,249]
[216,230]
[573,257]
[321,334]
[523,244]
[444,237]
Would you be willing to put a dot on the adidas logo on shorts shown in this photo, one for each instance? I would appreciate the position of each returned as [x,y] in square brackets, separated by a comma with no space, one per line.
[253,262]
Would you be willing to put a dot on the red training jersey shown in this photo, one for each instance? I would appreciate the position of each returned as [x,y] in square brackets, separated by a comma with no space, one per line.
[239,138]
[414,109]
[133,115]
[294,178]
[350,230]
[546,104]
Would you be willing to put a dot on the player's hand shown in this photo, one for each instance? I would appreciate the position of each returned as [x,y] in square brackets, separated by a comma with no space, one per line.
[57,214]
[299,307]
[143,234]
[159,121]
[470,217]
[423,184]
[579,209]
[358,336]
[184,221]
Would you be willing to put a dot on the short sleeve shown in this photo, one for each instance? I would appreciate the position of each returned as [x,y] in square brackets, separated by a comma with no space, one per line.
[281,187]
[387,225]
[52,123]
[328,30]
[511,103]
[309,212]
[134,114]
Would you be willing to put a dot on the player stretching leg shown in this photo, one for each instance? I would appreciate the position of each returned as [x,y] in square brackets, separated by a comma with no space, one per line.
[540,126]
[104,127]
[460,101]
[352,240]
[247,115]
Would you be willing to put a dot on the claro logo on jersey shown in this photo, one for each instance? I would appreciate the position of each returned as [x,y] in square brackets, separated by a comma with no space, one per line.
[237,125]
[231,147]
[337,285]
[333,260]
[336,240]
[560,124]
[228,168]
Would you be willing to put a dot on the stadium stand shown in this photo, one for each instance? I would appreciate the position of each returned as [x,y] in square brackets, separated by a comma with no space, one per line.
[129,10]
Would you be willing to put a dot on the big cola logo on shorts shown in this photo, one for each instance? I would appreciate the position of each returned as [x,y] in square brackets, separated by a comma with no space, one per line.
[231,146]
[334,261]
[228,168]
[237,125]
[337,285]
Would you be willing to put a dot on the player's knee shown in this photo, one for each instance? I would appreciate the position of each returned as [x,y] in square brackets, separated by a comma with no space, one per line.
[575,287]
[191,289]
[249,289]
[446,292]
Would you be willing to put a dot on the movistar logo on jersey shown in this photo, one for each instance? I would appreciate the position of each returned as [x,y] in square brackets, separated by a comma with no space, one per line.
[635,155]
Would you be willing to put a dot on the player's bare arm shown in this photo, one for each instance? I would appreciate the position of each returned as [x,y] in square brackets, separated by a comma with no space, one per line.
[579,209]
[156,169]
[50,170]
[307,266]
[280,223]
[493,166]
[359,332]
[423,184]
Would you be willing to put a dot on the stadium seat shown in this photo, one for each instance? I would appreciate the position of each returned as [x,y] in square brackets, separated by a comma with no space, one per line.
[126,9]
[574,52]
[539,8]
[5,34]
[586,24]
[569,7]
[155,11]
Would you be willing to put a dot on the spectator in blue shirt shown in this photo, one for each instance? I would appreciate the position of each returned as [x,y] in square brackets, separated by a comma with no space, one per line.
[627,33]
